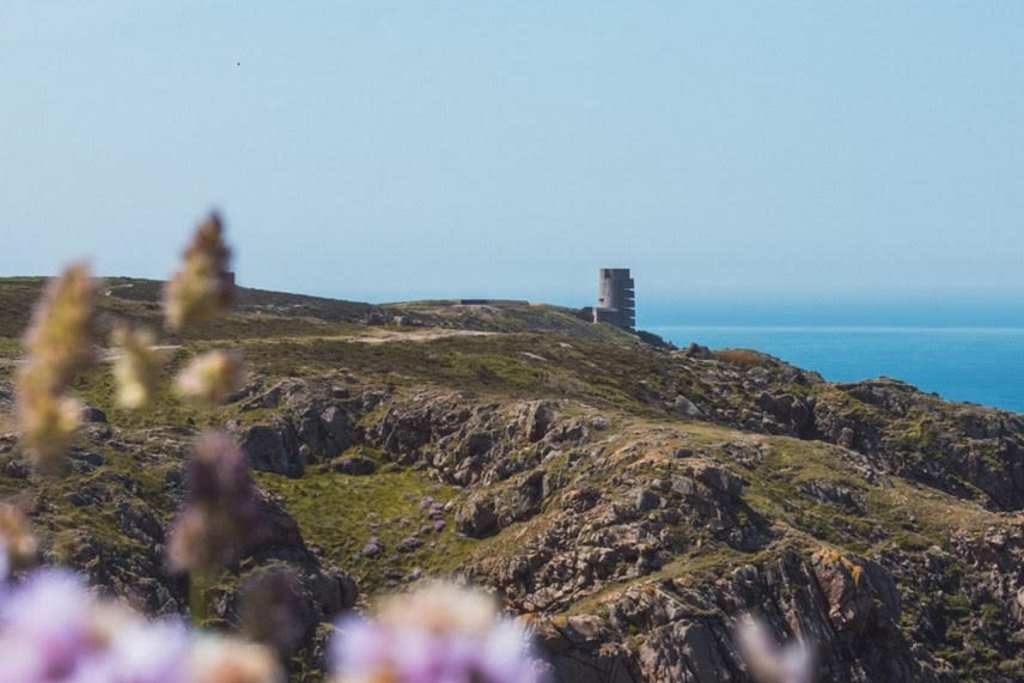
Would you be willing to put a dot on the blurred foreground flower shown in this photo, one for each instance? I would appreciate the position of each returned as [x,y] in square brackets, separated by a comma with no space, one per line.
[211,377]
[768,662]
[438,634]
[204,287]
[230,660]
[17,544]
[59,344]
[221,516]
[137,368]
[59,340]
[47,422]
[52,630]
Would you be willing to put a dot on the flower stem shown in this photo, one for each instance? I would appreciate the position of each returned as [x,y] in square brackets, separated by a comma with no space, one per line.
[197,598]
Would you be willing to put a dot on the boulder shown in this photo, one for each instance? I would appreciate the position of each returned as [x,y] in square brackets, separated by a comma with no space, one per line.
[373,547]
[91,414]
[718,478]
[354,465]
[794,413]
[538,420]
[273,448]
[477,518]
[646,499]
[695,350]
[326,430]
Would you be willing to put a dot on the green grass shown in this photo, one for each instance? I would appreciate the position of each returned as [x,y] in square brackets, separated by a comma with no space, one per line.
[339,513]
[97,388]
[612,375]
[10,347]
[65,526]
[16,297]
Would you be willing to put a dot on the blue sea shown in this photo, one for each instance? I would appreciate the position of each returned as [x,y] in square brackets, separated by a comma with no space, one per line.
[975,364]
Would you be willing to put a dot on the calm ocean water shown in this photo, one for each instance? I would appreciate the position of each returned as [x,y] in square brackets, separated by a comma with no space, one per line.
[980,365]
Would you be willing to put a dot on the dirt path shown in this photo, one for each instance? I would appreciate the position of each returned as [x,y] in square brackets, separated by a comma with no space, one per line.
[104,356]
[419,336]
[110,355]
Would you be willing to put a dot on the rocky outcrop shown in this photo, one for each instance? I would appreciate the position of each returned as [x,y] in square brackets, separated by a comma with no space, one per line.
[314,423]
[354,465]
[477,518]
[846,609]
[273,448]
[601,514]
[283,605]
[125,489]
[958,448]
[468,442]
[326,429]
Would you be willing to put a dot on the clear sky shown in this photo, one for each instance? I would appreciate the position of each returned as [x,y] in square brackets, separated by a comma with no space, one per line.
[787,152]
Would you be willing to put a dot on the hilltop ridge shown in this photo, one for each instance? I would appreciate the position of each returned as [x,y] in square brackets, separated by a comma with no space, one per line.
[631,499]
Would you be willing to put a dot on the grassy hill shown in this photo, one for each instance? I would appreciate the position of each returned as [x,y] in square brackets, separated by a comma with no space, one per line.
[632,500]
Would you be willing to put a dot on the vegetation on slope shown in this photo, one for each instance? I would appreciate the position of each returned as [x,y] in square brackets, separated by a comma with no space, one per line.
[872,472]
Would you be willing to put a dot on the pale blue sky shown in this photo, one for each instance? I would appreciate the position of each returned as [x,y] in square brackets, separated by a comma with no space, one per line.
[798,151]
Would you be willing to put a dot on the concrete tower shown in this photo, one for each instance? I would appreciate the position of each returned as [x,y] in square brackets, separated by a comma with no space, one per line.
[616,299]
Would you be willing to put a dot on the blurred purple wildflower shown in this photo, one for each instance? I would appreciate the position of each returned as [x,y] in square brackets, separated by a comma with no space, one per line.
[139,652]
[221,514]
[44,628]
[53,631]
[218,659]
[438,634]
[5,566]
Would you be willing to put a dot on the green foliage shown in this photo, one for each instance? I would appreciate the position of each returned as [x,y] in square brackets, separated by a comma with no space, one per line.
[340,513]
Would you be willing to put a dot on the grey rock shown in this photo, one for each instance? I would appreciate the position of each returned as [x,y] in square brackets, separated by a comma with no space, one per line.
[408,544]
[477,518]
[373,547]
[354,465]
[93,414]
[646,499]
[273,448]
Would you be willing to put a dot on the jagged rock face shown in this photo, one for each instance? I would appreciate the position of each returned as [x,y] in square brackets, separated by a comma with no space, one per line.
[305,598]
[470,443]
[477,518]
[273,448]
[315,423]
[847,607]
[522,463]
[959,448]
[326,429]
[953,447]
